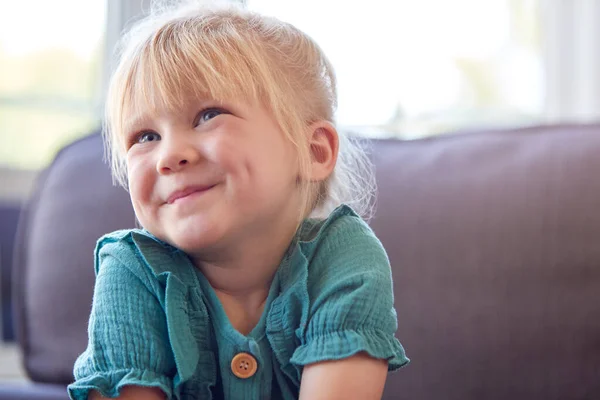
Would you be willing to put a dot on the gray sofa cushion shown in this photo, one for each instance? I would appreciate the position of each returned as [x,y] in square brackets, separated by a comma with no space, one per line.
[37,391]
[495,244]
[73,205]
[9,216]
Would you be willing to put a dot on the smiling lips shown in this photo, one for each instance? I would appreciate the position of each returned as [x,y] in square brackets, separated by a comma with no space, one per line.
[180,194]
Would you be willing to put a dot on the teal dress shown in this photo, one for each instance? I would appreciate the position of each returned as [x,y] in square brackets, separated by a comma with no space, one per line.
[157,322]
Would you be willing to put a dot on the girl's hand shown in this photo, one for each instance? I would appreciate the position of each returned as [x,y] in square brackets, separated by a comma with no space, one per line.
[359,377]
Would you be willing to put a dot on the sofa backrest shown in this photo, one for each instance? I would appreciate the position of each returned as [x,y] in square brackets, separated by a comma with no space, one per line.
[73,204]
[494,239]
[9,216]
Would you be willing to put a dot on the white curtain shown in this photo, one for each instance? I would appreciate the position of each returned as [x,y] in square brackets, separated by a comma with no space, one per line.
[119,13]
[571,36]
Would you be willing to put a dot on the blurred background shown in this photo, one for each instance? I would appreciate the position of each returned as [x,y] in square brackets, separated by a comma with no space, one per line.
[406,69]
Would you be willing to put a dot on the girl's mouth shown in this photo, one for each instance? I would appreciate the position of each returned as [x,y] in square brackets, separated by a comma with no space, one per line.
[178,195]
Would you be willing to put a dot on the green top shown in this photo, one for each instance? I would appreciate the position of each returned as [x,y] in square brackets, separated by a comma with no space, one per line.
[156,321]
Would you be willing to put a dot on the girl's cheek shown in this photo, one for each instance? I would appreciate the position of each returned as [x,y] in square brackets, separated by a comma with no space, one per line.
[139,177]
[222,151]
[139,163]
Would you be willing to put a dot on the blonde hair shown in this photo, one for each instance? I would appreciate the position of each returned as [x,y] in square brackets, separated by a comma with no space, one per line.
[224,52]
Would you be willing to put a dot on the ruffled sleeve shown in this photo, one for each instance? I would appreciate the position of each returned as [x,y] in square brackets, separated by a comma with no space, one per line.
[351,304]
[128,335]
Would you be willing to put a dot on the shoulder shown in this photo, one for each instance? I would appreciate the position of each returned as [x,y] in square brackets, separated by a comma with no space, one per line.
[338,256]
[126,243]
[344,244]
[118,245]
[140,254]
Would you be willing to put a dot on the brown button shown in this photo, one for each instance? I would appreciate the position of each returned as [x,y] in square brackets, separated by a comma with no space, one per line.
[244,365]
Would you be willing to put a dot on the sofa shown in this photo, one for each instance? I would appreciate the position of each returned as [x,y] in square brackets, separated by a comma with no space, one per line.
[493,237]
[9,217]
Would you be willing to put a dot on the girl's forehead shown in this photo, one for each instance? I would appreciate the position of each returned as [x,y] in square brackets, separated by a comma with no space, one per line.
[150,91]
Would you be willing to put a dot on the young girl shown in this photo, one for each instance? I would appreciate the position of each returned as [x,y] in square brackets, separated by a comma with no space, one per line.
[252,277]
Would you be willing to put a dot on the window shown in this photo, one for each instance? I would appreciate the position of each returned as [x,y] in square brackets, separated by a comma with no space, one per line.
[415,68]
[51,56]
[405,68]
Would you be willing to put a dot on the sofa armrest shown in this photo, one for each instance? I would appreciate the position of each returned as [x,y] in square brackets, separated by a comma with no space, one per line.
[32,391]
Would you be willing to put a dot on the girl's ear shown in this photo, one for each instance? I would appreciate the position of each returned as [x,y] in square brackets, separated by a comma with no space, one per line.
[324,146]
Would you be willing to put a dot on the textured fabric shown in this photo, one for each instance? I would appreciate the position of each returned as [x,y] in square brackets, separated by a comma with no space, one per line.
[156,321]
[494,241]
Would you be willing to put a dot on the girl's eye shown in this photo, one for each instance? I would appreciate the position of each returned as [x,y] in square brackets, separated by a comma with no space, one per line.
[148,137]
[208,114]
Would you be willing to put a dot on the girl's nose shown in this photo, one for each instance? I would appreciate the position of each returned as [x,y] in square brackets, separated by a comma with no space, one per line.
[176,154]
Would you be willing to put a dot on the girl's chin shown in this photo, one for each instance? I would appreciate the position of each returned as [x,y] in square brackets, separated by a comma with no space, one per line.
[194,240]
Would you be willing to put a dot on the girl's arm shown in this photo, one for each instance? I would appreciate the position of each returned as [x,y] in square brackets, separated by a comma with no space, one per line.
[133,393]
[359,377]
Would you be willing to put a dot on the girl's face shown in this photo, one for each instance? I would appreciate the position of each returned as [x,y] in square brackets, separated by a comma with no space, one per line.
[212,174]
